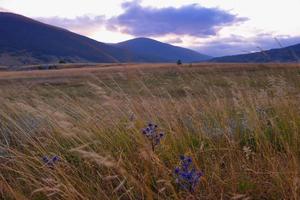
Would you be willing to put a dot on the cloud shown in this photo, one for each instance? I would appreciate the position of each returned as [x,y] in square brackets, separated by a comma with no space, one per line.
[174,41]
[82,24]
[3,10]
[240,45]
[193,20]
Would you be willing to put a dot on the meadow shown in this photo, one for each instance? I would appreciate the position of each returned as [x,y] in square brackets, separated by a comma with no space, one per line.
[78,133]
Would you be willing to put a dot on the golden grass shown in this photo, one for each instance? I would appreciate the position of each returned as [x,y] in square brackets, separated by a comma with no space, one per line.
[239,123]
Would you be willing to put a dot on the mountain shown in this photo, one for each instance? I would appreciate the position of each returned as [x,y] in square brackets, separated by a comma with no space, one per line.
[286,54]
[26,41]
[155,51]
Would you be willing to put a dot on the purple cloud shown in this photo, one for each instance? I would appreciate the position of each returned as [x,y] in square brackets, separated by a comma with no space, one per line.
[82,24]
[240,45]
[191,20]
[174,41]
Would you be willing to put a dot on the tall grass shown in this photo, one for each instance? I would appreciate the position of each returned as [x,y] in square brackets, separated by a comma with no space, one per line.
[241,128]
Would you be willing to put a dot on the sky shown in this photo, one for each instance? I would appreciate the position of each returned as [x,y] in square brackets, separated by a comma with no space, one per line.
[213,27]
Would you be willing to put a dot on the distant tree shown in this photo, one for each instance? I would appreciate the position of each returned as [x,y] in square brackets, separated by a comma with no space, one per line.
[52,67]
[179,62]
[62,62]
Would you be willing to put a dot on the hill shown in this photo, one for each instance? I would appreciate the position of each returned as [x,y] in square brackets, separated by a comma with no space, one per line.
[155,51]
[26,41]
[286,54]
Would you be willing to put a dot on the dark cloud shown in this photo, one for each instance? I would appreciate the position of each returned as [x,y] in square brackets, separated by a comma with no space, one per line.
[82,24]
[240,45]
[191,20]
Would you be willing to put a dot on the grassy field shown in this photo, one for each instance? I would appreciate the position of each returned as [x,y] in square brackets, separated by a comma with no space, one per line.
[240,124]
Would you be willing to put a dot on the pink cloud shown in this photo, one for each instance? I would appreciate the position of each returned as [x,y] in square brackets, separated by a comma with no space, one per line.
[4,10]
[82,24]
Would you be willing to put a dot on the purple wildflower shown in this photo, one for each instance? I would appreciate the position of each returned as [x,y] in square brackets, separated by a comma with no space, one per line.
[50,162]
[153,135]
[187,177]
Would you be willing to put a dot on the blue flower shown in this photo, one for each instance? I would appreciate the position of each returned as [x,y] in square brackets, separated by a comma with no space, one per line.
[153,135]
[50,162]
[45,159]
[55,159]
[187,177]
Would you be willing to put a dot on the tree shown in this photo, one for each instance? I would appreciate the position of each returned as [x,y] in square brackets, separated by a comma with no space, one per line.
[62,62]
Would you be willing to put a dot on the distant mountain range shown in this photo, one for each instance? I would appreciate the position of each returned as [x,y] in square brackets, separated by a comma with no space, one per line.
[24,41]
[153,51]
[286,54]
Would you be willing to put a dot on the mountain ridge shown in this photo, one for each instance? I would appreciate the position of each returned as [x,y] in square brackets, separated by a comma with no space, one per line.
[284,54]
[24,41]
[47,43]
[151,49]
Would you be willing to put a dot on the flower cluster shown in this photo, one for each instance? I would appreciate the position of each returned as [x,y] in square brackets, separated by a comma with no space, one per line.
[50,162]
[187,177]
[153,135]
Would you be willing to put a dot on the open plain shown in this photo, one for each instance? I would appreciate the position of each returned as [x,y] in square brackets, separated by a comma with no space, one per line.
[240,124]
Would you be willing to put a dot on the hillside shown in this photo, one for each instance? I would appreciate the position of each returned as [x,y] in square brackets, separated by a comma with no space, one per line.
[155,51]
[26,41]
[287,54]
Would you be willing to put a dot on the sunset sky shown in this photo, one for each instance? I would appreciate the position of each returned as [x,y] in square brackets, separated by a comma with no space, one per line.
[213,27]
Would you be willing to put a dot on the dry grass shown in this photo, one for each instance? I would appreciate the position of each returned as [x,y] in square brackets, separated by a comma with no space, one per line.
[240,124]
